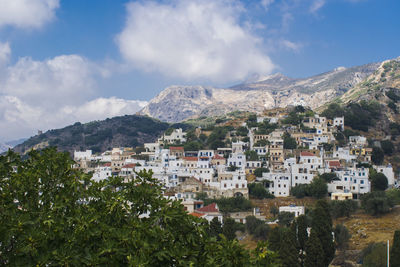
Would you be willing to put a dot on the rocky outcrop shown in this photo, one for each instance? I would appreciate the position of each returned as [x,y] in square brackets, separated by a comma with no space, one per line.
[177,103]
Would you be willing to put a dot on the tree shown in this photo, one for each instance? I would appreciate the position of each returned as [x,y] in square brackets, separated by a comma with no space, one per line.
[252,223]
[374,255]
[379,182]
[387,147]
[257,190]
[322,227]
[314,252]
[288,252]
[395,251]
[259,171]
[289,142]
[300,191]
[318,188]
[377,155]
[52,214]
[342,208]
[302,235]
[251,155]
[274,210]
[228,229]
[329,177]
[342,236]
[261,232]
[215,228]
[376,203]
[285,218]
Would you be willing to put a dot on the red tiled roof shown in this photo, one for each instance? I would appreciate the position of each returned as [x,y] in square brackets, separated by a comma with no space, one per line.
[209,208]
[190,158]
[108,164]
[196,214]
[218,157]
[334,163]
[176,148]
[204,157]
[130,165]
[307,154]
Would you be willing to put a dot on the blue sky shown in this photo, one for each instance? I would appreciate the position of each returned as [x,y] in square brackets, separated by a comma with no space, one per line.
[67,60]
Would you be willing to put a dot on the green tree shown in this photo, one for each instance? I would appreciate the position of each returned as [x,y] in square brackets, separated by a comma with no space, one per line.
[288,253]
[259,171]
[228,229]
[257,190]
[395,251]
[251,155]
[322,227]
[52,214]
[342,208]
[387,147]
[300,191]
[329,177]
[376,203]
[285,218]
[374,255]
[215,228]
[318,188]
[302,235]
[342,236]
[377,155]
[379,181]
[289,142]
[314,252]
[274,210]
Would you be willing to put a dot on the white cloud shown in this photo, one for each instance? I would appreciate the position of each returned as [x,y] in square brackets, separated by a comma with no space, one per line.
[53,93]
[291,45]
[316,5]
[192,40]
[5,52]
[27,13]
[266,3]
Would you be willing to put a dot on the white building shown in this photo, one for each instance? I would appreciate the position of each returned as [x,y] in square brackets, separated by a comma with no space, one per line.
[238,160]
[102,173]
[177,136]
[297,210]
[83,155]
[388,172]
[339,122]
[354,180]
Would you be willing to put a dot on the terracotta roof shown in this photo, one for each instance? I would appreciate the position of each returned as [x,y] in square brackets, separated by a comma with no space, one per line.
[190,158]
[130,165]
[334,163]
[196,214]
[108,164]
[204,157]
[209,208]
[307,154]
[176,148]
[218,157]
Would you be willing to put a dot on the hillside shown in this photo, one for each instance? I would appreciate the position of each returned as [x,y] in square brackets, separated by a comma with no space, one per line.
[128,131]
[177,103]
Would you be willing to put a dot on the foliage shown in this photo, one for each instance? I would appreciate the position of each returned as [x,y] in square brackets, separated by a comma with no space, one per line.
[342,236]
[374,255]
[293,118]
[289,142]
[251,155]
[394,195]
[242,131]
[274,210]
[379,181]
[377,155]
[395,251]
[332,111]
[342,208]
[300,191]
[376,203]
[228,228]
[302,234]
[314,251]
[318,188]
[258,228]
[322,227]
[329,177]
[258,172]
[261,143]
[257,190]
[285,218]
[232,168]
[288,253]
[232,204]
[387,147]
[215,228]
[193,146]
[52,214]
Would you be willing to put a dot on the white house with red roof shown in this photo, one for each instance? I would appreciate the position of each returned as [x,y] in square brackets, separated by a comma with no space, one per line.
[210,212]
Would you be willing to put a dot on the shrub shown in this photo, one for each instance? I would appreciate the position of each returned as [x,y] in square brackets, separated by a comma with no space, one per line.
[376,203]
[257,190]
[344,208]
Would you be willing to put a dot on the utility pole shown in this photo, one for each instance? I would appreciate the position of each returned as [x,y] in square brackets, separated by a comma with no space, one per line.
[388,253]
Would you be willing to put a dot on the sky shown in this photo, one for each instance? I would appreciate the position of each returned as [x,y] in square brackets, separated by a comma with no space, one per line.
[63,61]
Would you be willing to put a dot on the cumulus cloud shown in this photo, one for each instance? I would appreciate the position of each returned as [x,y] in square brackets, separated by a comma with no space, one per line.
[192,40]
[27,13]
[53,93]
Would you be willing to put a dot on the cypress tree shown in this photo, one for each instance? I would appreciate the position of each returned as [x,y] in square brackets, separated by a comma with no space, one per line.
[228,229]
[275,239]
[314,252]
[215,228]
[302,235]
[288,252]
[395,251]
[322,227]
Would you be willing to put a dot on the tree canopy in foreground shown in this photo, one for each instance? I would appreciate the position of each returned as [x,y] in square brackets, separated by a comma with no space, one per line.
[52,214]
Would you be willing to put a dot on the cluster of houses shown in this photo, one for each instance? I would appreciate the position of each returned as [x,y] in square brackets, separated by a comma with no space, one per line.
[226,172]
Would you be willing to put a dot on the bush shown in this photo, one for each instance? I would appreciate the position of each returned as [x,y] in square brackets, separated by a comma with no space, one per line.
[394,195]
[318,188]
[379,182]
[376,203]
[232,204]
[329,177]
[387,147]
[374,255]
[285,218]
[289,142]
[300,191]
[257,190]
[344,208]
[377,155]
[342,236]
[258,172]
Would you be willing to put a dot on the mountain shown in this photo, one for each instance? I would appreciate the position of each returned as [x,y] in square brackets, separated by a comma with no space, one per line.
[4,147]
[177,103]
[128,131]
[10,144]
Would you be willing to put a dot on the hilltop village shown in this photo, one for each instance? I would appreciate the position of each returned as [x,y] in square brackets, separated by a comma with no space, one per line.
[278,151]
